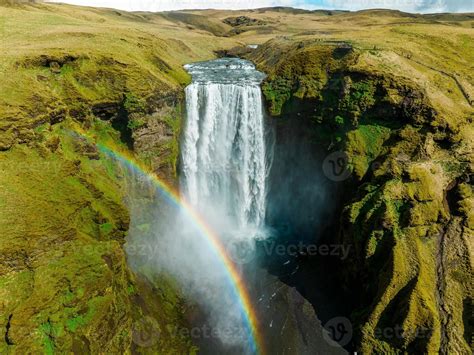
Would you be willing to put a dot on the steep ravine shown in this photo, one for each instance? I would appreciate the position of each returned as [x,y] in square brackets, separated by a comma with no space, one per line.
[390,197]
[405,212]
[390,213]
[392,207]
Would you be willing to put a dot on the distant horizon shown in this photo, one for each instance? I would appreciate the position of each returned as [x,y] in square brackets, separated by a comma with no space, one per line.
[408,6]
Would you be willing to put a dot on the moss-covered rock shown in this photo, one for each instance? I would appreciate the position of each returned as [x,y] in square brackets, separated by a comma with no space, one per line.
[65,282]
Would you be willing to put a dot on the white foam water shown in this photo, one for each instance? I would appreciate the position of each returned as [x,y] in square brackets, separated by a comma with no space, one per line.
[224,169]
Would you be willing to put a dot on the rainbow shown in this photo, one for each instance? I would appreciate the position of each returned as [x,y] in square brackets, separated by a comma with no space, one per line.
[236,282]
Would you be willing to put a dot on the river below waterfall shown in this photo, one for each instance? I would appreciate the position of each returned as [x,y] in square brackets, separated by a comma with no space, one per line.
[226,159]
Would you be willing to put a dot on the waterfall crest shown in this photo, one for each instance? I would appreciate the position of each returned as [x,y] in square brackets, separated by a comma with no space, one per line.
[224,169]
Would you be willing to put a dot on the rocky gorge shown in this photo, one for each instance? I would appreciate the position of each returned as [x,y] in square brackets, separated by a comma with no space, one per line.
[399,118]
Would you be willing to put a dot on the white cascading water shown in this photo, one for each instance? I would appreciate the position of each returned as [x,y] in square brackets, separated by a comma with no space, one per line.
[224,166]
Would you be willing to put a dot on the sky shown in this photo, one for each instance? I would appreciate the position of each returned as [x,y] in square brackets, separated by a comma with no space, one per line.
[417,6]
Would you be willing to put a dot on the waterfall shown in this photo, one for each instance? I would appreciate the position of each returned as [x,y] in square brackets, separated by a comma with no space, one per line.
[225,157]
[224,169]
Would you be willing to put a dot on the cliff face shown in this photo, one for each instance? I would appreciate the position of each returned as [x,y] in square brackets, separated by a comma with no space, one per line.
[65,282]
[407,212]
